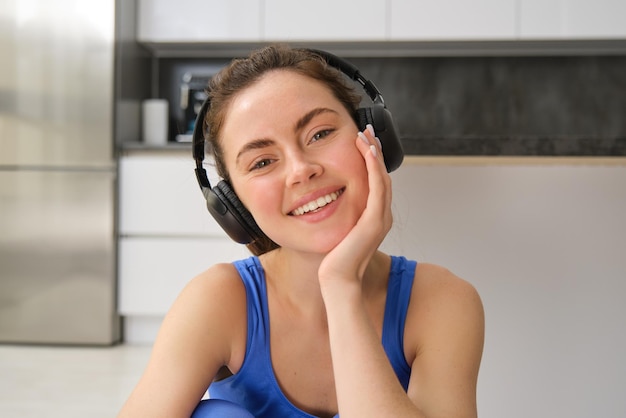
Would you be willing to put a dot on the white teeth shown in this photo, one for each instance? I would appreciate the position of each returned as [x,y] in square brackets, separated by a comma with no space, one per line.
[317,203]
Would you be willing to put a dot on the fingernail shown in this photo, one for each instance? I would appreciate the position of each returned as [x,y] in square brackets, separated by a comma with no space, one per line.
[363,137]
[370,128]
[374,150]
[379,144]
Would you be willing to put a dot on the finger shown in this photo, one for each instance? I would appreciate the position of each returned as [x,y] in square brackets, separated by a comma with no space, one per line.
[370,129]
[378,178]
[380,182]
[379,196]
[363,143]
[371,154]
[368,143]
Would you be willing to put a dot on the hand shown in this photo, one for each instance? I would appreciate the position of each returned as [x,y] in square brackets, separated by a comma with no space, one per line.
[349,259]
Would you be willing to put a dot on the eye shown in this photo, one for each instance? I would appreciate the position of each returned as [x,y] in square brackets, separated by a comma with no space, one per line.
[321,135]
[260,164]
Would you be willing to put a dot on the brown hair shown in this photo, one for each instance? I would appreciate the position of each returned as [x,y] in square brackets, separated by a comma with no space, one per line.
[243,72]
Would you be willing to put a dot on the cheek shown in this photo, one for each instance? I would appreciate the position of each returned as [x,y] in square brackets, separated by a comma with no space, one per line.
[260,198]
[352,165]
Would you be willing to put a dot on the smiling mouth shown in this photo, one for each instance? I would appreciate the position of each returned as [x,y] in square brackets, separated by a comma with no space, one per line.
[316,204]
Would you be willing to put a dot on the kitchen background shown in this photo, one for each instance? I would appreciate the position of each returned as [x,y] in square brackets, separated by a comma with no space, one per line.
[477,105]
[511,113]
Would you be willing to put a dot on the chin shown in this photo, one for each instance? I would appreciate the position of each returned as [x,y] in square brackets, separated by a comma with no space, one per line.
[323,243]
[309,245]
[317,239]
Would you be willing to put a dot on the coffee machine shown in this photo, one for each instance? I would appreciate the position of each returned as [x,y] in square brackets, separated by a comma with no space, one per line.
[193,92]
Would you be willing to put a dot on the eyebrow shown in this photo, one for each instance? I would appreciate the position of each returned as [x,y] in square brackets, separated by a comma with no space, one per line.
[301,123]
[252,145]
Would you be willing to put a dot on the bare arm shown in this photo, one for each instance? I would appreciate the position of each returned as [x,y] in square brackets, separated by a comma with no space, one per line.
[198,336]
[444,331]
[443,379]
[365,381]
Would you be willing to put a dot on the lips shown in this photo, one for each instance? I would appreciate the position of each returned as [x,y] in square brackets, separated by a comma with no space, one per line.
[315,204]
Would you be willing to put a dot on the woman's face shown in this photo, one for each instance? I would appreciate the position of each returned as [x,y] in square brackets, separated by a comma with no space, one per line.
[289,147]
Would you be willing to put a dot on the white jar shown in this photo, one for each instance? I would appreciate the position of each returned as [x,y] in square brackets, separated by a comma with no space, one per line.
[155,121]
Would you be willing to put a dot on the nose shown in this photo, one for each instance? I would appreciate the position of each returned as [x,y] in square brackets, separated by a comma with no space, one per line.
[301,168]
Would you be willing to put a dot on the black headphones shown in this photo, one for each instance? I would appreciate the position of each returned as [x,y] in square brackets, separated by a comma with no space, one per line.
[221,199]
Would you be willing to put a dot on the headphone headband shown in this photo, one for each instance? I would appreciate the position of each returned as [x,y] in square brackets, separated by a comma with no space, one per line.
[353,73]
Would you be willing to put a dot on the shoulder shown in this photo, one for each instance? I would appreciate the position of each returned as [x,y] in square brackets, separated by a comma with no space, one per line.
[210,313]
[204,330]
[436,284]
[219,280]
[444,337]
[216,294]
[443,308]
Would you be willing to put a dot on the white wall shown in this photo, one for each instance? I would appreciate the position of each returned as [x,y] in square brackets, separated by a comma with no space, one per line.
[545,245]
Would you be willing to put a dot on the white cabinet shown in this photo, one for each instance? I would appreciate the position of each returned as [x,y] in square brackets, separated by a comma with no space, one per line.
[195,21]
[167,236]
[153,270]
[159,195]
[452,20]
[572,19]
[198,21]
[325,20]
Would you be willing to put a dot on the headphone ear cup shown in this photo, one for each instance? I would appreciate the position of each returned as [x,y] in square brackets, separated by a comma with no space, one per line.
[231,214]
[380,118]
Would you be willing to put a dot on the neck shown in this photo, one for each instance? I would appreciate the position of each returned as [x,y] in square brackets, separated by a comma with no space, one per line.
[293,278]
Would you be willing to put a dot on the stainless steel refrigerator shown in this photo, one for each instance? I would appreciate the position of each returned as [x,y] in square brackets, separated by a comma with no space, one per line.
[57,172]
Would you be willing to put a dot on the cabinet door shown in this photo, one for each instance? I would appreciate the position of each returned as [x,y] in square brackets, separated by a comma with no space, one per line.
[325,20]
[452,20]
[198,21]
[153,271]
[572,19]
[159,196]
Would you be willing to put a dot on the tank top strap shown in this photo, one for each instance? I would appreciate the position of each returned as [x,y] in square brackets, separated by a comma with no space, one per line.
[252,275]
[401,277]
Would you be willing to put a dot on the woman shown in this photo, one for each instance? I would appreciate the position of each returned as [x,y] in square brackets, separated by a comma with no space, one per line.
[319,321]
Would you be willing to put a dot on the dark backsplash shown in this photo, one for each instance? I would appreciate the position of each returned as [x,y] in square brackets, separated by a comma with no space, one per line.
[573,106]
[505,105]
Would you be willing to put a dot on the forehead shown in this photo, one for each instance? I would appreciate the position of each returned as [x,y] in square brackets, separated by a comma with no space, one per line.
[283,85]
[276,99]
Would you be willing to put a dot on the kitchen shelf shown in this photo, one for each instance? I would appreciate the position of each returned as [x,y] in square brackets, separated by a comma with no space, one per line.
[138,146]
[465,48]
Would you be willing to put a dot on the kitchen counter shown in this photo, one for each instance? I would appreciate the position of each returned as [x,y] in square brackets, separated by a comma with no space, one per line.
[557,146]
[471,148]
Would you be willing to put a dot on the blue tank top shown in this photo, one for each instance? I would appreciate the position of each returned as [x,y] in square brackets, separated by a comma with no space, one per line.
[255,387]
